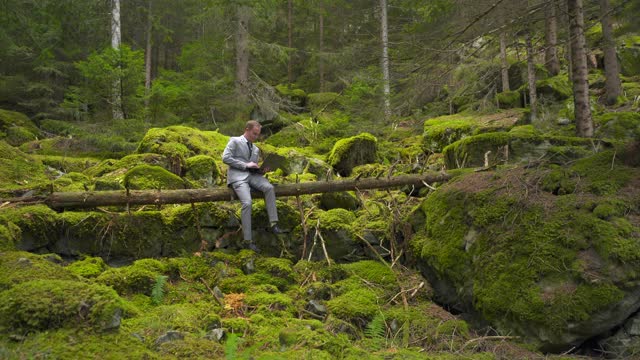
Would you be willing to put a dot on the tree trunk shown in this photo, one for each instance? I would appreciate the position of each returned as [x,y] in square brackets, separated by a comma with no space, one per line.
[551,61]
[386,93]
[147,59]
[59,200]
[531,78]
[584,122]
[613,88]
[321,47]
[116,39]
[504,64]
[290,41]
[242,51]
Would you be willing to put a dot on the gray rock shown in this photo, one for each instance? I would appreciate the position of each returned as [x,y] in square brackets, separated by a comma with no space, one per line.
[317,308]
[215,335]
[169,336]
[563,121]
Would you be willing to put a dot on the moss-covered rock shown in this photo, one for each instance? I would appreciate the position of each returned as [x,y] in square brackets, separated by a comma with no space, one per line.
[140,277]
[40,305]
[629,56]
[89,267]
[17,267]
[618,125]
[16,128]
[557,87]
[339,200]
[513,147]
[550,268]
[508,99]
[444,130]
[358,304]
[72,181]
[351,152]
[177,143]
[146,177]
[202,169]
[19,170]
[292,161]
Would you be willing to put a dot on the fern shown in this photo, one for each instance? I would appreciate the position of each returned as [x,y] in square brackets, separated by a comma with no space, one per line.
[376,328]
[157,293]
[231,347]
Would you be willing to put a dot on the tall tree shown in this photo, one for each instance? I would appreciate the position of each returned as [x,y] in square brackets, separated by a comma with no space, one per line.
[613,87]
[584,121]
[321,47]
[504,64]
[242,50]
[290,41]
[384,29]
[531,77]
[116,39]
[551,61]
[147,56]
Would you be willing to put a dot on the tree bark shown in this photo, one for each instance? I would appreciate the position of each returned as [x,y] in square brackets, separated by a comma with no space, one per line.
[290,41]
[321,47]
[551,61]
[584,122]
[147,58]
[242,51]
[386,93]
[504,64]
[116,39]
[60,200]
[613,88]
[531,77]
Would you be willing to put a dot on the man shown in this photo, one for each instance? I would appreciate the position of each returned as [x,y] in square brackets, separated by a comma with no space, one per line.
[244,174]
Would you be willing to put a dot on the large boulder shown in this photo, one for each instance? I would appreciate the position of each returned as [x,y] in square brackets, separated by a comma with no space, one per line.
[351,152]
[16,128]
[553,269]
[444,130]
[520,145]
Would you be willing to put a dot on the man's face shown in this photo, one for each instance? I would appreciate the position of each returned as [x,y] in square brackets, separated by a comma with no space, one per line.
[252,134]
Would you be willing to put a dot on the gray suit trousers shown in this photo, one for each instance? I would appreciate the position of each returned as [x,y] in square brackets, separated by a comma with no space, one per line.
[243,191]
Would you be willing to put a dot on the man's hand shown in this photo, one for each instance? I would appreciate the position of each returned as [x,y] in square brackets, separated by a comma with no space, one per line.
[252,165]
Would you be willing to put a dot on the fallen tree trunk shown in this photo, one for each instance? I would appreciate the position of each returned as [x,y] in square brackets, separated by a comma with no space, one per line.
[88,199]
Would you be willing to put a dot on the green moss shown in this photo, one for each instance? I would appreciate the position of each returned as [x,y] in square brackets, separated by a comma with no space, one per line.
[281,268]
[508,99]
[342,200]
[16,128]
[289,91]
[181,142]
[355,304]
[72,181]
[17,267]
[139,277]
[9,235]
[236,325]
[618,125]
[604,173]
[319,101]
[19,169]
[350,152]
[144,177]
[48,304]
[336,219]
[270,303]
[89,267]
[557,87]
[374,272]
[202,169]
[37,224]
[444,130]
[559,181]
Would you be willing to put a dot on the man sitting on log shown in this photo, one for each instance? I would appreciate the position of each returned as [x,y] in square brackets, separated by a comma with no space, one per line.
[244,174]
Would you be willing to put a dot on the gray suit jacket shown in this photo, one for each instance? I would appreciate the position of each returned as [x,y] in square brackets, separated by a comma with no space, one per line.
[236,155]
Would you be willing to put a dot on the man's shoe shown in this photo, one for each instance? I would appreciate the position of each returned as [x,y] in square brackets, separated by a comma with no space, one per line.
[276,230]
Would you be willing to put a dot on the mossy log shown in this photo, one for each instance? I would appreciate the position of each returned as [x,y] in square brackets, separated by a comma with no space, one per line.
[88,199]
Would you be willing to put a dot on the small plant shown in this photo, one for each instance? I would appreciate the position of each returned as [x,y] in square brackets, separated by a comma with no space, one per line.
[231,347]
[157,293]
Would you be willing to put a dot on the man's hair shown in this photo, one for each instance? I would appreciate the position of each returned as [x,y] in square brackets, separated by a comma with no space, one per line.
[251,124]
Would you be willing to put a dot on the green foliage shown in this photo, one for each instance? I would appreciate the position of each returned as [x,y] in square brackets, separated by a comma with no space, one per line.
[350,152]
[89,267]
[101,70]
[354,304]
[157,293]
[376,328]
[231,346]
